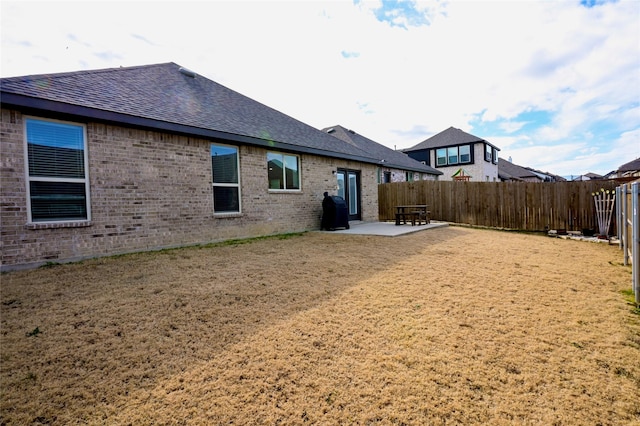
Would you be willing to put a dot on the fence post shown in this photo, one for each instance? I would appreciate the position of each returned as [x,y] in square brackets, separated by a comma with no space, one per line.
[635,252]
[619,216]
[625,221]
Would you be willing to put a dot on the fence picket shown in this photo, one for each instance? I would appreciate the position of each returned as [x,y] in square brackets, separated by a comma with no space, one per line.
[523,206]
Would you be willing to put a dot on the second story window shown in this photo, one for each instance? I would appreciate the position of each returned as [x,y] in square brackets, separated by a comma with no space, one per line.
[453,155]
[488,152]
[465,154]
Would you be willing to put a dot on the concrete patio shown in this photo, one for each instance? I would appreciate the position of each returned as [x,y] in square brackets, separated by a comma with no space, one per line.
[387,229]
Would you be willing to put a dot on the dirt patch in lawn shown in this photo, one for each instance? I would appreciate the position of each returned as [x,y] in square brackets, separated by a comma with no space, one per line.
[449,325]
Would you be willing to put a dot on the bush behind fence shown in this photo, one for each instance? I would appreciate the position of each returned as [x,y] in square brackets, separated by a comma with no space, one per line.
[524,206]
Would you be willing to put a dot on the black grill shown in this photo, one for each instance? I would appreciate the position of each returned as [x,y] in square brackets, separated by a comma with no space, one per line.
[335,213]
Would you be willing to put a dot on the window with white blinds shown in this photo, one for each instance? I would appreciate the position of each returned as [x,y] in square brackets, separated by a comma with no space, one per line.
[56,170]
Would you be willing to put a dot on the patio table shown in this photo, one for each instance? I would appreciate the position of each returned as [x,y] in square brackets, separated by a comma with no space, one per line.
[413,212]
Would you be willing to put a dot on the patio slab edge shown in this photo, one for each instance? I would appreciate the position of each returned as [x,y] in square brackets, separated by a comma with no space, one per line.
[385,229]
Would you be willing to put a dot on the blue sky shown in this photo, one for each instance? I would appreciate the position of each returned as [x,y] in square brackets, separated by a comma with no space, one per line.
[554,84]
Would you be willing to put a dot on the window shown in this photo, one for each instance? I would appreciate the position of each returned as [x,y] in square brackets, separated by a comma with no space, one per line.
[284,171]
[453,155]
[58,183]
[441,157]
[495,156]
[487,152]
[226,182]
[465,154]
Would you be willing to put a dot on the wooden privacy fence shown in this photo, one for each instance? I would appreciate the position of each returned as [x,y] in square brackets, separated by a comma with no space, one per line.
[525,206]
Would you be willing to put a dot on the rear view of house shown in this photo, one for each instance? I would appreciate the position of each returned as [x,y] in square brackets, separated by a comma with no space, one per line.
[118,160]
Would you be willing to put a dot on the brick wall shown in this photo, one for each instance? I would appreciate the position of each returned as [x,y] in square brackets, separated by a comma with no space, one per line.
[151,190]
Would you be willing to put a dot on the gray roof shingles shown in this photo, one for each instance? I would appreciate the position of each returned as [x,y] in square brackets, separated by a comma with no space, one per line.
[631,166]
[514,171]
[395,159]
[448,137]
[161,97]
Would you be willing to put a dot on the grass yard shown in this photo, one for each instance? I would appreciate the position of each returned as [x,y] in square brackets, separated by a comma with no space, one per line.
[445,326]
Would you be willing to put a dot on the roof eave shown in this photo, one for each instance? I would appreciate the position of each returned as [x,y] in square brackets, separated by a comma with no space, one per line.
[411,169]
[421,147]
[64,109]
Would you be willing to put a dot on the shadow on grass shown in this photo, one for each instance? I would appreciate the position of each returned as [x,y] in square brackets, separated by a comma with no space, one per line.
[111,329]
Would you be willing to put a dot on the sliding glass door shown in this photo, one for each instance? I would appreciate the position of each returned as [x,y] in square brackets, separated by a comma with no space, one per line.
[349,189]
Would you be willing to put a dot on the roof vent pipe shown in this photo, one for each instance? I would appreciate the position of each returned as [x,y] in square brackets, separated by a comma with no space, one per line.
[187,72]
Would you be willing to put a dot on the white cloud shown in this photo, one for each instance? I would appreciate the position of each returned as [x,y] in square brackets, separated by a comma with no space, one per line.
[442,64]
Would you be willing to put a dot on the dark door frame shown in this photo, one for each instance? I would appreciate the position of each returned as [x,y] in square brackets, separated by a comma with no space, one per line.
[347,192]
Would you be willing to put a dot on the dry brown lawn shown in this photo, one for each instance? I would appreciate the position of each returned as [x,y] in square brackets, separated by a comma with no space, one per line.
[445,326]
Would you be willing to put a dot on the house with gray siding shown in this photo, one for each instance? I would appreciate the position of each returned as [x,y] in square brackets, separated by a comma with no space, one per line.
[119,160]
[458,154]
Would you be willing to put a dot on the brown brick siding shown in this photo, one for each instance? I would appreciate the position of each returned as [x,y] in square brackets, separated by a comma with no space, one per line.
[151,190]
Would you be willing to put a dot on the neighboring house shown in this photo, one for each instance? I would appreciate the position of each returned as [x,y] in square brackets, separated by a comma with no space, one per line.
[588,176]
[546,176]
[119,160]
[512,172]
[508,172]
[395,166]
[628,170]
[458,155]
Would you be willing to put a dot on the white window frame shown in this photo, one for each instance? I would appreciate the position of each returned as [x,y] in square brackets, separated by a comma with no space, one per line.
[226,184]
[29,178]
[284,179]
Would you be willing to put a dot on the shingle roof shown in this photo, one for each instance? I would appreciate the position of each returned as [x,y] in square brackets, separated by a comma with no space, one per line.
[510,170]
[546,176]
[448,137]
[631,166]
[388,156]
[162,97]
